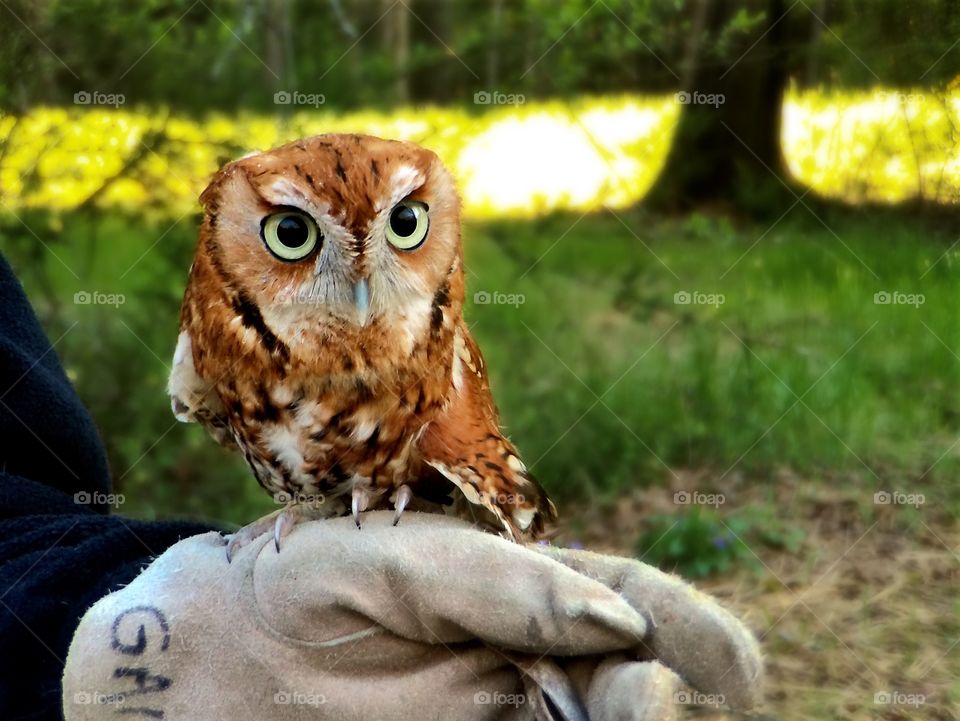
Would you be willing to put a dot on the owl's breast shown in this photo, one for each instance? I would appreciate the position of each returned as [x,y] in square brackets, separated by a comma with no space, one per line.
[325,405]
[321,434]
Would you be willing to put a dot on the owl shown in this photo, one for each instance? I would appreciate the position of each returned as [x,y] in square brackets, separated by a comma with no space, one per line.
[322,335]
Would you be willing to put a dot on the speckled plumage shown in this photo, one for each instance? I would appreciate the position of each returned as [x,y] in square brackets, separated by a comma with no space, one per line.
[273,359]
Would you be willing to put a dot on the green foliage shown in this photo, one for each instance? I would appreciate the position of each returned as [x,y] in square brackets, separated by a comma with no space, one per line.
[704,541]
[896,42]
[694,544]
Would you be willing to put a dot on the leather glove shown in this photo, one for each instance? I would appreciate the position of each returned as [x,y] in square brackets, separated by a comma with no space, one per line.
[431,619]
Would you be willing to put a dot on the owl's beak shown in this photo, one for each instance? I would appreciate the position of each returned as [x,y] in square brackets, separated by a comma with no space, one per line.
[361,299]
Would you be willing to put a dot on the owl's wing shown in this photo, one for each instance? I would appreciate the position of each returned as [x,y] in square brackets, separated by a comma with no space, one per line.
[466,445]
[193,399]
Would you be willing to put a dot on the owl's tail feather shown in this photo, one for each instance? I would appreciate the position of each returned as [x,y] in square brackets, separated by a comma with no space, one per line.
[513,497]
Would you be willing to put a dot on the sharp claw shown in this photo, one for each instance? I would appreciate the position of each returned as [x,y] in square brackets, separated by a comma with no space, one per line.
[358,504]
[246,535]
[280,529]
[231,547]
[404,496]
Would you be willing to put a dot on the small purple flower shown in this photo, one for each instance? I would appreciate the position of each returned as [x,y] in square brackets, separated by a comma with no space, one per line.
[575,546]
[721,542]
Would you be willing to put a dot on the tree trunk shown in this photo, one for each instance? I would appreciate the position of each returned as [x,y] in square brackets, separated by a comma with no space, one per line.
[726,149]
[279,42]
[396,39]
[493,45]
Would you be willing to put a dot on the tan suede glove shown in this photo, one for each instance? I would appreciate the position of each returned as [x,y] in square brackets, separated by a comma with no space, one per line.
[431,619]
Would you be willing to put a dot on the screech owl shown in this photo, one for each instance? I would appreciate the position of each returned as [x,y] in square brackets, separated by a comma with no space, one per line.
[322,334]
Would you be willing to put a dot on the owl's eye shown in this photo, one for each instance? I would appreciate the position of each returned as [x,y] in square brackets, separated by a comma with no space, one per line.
[409,223]
[290,235]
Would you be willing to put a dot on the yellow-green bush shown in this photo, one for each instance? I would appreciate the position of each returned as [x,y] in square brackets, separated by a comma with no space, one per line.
[510,161]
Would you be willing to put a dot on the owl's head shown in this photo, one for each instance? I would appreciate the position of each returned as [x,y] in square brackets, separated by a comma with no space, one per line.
[339,229]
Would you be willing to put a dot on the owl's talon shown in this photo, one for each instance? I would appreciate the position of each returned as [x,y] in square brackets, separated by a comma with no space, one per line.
[236,541]
[250,533]
[279,524]
[358,503]
[283,526]
[403,498]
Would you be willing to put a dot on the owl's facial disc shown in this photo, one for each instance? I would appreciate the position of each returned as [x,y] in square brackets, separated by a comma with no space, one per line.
[336,229]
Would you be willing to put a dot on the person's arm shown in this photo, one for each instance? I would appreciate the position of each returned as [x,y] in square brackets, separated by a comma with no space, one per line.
[60,551]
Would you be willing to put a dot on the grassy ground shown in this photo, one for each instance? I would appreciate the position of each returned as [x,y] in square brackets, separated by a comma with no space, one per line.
[608,382]
[785,389]
[858,618]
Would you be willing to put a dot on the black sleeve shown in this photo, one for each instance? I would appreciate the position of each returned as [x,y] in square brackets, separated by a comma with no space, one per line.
[58,552]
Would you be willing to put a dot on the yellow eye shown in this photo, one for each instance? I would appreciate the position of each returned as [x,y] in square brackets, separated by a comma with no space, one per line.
[290,235]
[409,223]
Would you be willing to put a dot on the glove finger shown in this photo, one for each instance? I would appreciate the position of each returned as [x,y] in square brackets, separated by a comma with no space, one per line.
[637,691]
[437,580]
[690,632]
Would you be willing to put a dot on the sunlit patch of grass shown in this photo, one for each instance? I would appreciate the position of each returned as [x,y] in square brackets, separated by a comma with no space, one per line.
[524,161]
[880,145]
[561,157]
[517,161]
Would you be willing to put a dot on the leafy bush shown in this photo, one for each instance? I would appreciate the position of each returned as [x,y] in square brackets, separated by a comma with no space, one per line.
[694,544]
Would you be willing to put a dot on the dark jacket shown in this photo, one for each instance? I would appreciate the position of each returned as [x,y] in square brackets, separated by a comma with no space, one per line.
[59,553]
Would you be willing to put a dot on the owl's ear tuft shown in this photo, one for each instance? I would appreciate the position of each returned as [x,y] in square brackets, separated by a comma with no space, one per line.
[210,197]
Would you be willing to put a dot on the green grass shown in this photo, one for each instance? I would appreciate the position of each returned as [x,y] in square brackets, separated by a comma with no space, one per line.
[678,385]
[718,386]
